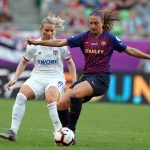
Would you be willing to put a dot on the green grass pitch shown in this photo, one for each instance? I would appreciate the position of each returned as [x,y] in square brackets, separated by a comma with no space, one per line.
[102,126]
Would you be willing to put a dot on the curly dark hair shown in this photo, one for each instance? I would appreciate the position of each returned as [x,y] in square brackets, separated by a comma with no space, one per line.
[108,16]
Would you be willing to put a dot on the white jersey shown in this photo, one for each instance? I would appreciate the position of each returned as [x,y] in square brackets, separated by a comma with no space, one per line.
[48,61]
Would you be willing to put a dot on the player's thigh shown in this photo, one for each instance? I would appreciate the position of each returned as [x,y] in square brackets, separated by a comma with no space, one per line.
[64,101]
[27,91]
[82,89]
[36,86]
[52,94]
[55,88]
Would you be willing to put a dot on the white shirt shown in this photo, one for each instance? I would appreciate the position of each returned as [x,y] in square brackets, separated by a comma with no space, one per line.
[48,61]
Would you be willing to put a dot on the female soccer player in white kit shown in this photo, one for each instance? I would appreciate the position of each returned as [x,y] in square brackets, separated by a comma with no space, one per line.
[46,79]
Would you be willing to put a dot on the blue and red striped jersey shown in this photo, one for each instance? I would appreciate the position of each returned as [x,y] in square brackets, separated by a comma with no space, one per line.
[97,51]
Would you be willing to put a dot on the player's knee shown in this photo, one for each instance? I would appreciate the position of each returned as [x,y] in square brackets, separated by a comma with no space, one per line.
[76,93]
[62,105]
[20,99]
[51,99]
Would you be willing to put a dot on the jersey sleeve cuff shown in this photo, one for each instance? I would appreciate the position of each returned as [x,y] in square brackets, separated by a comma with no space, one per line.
[25,58]
[68,58]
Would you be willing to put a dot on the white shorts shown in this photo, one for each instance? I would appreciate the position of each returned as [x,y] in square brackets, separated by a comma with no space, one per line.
[40,87]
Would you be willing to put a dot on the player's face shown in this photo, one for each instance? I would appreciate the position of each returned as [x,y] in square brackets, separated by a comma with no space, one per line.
[48,31]
[95,25]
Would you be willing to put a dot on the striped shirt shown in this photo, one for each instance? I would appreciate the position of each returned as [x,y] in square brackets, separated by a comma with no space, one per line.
[97,51]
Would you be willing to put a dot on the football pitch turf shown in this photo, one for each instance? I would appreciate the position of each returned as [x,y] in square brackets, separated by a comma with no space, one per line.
[102,126]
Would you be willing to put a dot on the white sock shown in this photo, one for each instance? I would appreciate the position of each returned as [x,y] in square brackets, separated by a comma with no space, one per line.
[18,112]
[53,113]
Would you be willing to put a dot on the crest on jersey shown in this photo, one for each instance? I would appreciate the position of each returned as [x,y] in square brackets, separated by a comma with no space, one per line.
[55,52]
[103,43]
[60,83]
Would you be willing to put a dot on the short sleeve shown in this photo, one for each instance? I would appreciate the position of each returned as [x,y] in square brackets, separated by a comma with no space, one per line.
[28,53]
[75,40]
[66,52]
[118,44]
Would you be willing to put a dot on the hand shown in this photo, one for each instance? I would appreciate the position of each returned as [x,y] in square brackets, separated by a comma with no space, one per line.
[31,41]
[11,83]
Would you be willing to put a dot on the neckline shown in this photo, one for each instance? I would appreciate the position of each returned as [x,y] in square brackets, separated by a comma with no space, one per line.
[98,36]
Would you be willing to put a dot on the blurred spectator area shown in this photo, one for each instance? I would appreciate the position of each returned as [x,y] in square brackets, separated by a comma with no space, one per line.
[28,14]
[5,13]
[134,14]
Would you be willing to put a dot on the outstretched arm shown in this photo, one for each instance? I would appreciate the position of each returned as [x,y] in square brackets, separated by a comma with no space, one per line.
[21,67]
[136,53]
[52,42]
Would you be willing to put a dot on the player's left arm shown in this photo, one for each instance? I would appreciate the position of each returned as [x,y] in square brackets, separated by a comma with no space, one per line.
[136,53]
[72,69]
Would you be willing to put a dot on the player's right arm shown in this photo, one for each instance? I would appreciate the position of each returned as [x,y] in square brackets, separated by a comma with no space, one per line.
[52,42]
[20,68]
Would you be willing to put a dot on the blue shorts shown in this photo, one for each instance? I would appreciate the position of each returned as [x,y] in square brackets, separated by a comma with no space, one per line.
[98,81]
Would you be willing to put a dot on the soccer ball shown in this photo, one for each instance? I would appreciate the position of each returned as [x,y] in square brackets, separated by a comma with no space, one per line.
[65,137]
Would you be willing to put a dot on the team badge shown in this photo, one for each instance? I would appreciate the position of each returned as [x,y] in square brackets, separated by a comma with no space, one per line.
[55,52]
[103,43]
[60,83]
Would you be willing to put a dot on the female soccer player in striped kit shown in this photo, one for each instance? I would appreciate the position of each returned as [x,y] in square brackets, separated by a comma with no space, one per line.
[97,45]
[47,77]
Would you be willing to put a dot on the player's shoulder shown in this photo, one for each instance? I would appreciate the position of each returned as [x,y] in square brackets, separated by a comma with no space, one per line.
[85,33]
[79,35]
[108,34]
[111,36]
[63,48]
[30,47]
